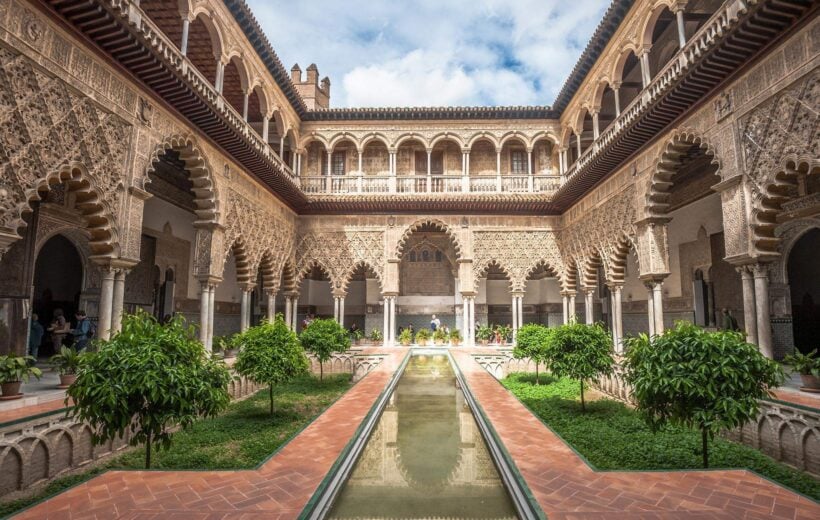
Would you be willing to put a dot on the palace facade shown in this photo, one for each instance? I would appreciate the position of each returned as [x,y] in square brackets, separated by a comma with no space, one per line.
[158,155]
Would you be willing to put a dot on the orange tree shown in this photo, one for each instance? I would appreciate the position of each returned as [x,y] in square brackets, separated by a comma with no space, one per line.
[148,378]
[705,380]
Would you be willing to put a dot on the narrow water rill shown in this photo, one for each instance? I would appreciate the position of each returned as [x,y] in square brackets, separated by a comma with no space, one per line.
[426,456]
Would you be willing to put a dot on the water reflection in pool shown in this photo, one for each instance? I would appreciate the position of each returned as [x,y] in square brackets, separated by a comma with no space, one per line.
[426,457]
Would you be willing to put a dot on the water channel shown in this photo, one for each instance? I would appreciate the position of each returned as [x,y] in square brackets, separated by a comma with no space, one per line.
[426,456]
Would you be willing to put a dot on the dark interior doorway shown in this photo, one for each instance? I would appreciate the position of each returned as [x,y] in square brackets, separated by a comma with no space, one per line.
[58,282]
[804,285]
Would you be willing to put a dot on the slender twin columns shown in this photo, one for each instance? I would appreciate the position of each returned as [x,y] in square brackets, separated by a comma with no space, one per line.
[112,294]
[756,316]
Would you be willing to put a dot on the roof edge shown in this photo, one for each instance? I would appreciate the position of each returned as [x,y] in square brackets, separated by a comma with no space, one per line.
[612,19]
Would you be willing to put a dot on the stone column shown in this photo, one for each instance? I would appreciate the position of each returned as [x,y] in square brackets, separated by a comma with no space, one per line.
[211,313]
[578,144]
[764,324]
[498,171]
[565,306]
[521,311]
[465,319]
[361,167]
[204,314]
[336,309]
[183,46]
[749,307]
[430,166]
[386,319]
[645,76]
[342,311]
[650,306]
[616,91]
[271,305]
[106,299]
[117,303]
[588,302]
[514,309]
[472,320]
[245,309]
[245,106]
[265,125]
[657,305]
[392,320]
[295,313]
[289,311]
[681,29]
[220,76]
[617,318]
[595,126]
[571,308]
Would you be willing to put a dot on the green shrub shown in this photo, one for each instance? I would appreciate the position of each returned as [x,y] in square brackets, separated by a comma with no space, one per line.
[531,342]
[704,380]
[805,364]
[406,337]
[376,335]
[148,378]
[271,355]
[423,336]
[484,333]
[580,352]
[455,335]
[323,338]
[439,336]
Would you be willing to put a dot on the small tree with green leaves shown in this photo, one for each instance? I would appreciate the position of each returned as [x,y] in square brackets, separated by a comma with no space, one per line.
[322,338]
[704,380]
[531,342]
[270,355]
[580,352]
[148,378]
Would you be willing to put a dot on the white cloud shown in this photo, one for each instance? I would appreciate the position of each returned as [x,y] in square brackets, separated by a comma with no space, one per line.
[428,52]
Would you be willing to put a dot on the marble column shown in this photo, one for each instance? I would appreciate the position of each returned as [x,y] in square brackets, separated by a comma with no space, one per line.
[336,309]
[616,91]
[588,309]
[465,319]
[245,97]
[520,311]
[117,303]
[245,310]
[265,129]
[271,305]
[650,307]
[204,302]
[220,76]
[472,320]
[514,313]
[645,76]
[211,313]
[106,299]
[764,324]
[295,313]
[749,307]
[681,29]
[386,326]
[565,306]
[596,130]
[617,318]
[571,308]
[289,311]
[392,320]
[657,305]
[183,46]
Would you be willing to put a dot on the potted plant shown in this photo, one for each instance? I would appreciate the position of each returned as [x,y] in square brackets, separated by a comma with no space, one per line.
[66,362]
[357,336]
[455,337]
[14,370]
[406,337]
[423,336]
[217,349]
[439,336]
[808,366]
[376,336]
[230,346]
[503,332]
[483,334]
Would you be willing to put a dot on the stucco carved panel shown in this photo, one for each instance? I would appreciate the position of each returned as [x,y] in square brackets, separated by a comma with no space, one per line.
[340,253]
[517,252]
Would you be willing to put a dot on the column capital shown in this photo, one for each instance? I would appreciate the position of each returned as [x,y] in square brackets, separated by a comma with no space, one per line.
[518,294]
[209,280]
[760,270]
[615,286]
[336,293]
[568,294]
[246,286]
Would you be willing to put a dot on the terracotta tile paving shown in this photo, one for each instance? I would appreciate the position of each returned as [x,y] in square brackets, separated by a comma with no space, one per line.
[796,397]
[27,411]
[566,488]
[279,489]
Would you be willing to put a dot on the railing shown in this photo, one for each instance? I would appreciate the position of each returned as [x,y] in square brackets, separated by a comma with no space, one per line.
[696,47]
[424,184]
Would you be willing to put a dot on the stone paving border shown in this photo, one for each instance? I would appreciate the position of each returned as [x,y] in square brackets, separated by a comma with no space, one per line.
[278,489]
[566,487]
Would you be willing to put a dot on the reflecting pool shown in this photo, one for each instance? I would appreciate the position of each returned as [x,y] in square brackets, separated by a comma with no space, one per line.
[426,456]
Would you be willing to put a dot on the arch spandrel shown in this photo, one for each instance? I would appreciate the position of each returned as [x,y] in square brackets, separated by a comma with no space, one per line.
[440,225]
[519,252]
[340,252]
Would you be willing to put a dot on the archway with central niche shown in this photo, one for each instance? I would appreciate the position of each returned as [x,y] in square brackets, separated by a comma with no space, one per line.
[315,296]
[542,296]
[494,287]
[427,279]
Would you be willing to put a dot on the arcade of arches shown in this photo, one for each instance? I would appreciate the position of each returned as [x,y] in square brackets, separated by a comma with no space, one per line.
[384,217]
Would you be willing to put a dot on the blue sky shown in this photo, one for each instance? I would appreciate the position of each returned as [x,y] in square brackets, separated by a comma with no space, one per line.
[433,52]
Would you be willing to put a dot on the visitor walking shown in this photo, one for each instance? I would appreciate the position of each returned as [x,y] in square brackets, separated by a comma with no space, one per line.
[729,321]
[35,336]
[83,332]
[59,328]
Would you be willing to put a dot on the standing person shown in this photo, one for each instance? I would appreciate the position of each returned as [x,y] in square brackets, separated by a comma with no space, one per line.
[435,323]
[83,332]
[35,336]
[729,321]
[59,328]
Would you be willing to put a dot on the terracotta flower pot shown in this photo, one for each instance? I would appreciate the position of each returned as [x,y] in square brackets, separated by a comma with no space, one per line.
[67,380]
[455,342]
[11,390]
[810,383]
[422,342]
[484,341]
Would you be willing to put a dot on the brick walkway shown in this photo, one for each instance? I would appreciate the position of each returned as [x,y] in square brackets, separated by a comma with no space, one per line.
[279,489]
[566,488]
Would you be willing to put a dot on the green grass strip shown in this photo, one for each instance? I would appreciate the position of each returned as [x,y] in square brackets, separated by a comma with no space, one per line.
[612,436]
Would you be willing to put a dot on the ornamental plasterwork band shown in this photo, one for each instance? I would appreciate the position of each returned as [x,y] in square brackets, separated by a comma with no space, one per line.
[340,253]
